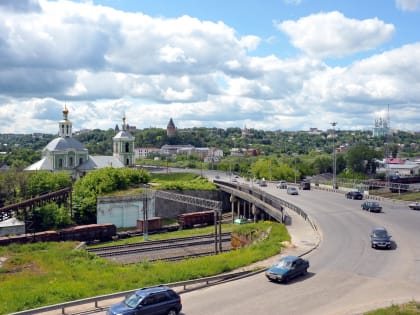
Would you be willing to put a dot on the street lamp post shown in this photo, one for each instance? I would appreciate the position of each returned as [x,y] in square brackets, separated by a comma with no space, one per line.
[333,124]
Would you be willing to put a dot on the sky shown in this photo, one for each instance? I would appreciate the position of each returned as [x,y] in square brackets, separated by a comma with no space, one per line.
[284,65]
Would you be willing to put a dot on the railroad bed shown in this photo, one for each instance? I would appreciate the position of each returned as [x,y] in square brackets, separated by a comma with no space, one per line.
[169,250]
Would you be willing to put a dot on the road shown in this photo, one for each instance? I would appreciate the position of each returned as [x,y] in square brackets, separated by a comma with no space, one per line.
[346,275]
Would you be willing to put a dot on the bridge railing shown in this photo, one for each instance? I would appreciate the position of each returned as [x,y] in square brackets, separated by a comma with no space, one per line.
[274,201]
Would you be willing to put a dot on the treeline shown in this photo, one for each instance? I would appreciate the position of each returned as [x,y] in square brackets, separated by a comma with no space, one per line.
[18,186]
[19,151]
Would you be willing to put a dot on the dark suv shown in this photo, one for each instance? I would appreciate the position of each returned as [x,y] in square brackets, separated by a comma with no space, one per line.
[160,300]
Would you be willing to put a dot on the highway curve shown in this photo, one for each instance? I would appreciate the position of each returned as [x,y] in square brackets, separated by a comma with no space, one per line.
[346,275]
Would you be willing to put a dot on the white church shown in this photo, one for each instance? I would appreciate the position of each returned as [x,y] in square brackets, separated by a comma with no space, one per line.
[66,153]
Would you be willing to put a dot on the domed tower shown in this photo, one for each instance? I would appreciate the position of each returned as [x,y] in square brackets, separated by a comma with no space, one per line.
[65,125]
[63,152]
[123,146]
[170,129]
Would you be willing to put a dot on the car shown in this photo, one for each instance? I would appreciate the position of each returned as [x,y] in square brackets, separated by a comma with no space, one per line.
[155,300]
[414,206]
[242,221]
[371,206]
[263,183]
[305,185]
[379,238]
[286,268]
[292,190]
[354,195]
[281,184]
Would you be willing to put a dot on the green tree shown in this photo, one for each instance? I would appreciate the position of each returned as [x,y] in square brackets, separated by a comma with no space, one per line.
[361,159]
[100,182]
[40,182]
[322,164]
[51,217]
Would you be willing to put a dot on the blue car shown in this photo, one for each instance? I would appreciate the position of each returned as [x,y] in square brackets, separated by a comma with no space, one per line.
[287,268]
[159,300]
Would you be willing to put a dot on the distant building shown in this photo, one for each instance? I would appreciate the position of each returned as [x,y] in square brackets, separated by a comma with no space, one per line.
[400,167]
[169,149]
[252,152]
[237,152]
[171,129]
[381,128]
[314,131]
[245,133]
[66,153]
[143,152]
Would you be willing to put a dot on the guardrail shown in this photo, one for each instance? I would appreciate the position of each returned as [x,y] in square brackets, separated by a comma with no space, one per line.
[94,303]
[269,199]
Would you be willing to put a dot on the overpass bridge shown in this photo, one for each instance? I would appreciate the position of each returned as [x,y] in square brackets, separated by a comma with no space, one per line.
[252,202]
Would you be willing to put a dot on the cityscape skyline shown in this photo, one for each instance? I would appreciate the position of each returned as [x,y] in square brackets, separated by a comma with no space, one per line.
[287,65]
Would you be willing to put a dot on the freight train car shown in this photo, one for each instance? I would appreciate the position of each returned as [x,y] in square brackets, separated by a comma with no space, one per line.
[89,233]
[189,220]
[82,233]
[46,236]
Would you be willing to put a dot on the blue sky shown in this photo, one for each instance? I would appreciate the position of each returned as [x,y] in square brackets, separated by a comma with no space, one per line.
[272,65]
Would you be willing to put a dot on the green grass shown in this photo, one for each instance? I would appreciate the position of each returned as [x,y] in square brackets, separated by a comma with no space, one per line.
[41,274]
[181,181]
[410,308]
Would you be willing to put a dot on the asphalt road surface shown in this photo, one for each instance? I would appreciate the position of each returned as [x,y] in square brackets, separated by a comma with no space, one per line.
[346,275]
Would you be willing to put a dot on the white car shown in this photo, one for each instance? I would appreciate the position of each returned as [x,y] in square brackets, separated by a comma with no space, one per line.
[414,206]
[282,184]
[292,190]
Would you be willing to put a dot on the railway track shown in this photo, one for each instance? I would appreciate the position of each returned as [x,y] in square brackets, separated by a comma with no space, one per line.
[168,250]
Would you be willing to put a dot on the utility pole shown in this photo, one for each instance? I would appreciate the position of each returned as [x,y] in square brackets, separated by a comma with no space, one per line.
[333,124]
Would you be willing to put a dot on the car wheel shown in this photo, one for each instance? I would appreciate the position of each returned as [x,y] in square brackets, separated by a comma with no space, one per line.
[304,272]
[172,312]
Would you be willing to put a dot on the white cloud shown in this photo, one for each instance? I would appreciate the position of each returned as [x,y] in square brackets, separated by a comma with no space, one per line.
[103,62]
[334,35]
[408,5]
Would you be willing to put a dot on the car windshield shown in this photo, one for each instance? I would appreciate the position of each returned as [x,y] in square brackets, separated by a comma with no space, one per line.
[283,264]
[133,300]
[375,204]
[380,233]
